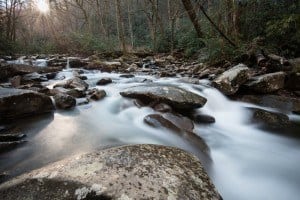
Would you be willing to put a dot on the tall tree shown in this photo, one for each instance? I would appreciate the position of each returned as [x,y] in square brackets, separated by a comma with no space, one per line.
[193,16]
[120,26]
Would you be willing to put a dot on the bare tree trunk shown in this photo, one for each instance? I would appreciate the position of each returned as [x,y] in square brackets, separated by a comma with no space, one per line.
[193,17]
[130,23]
[120,26]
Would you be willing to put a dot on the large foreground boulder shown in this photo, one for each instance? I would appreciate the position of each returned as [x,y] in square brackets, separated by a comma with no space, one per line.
[174,96]
[230,81]
[128,172]
[267,83]
[16,103]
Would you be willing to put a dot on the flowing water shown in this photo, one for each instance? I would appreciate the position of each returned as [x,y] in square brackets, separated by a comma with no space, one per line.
[246,163]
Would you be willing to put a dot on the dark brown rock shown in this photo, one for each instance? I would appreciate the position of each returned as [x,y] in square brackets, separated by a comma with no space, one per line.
[16,103]
[104,81]
[64,101]
[96,94]
[205,119]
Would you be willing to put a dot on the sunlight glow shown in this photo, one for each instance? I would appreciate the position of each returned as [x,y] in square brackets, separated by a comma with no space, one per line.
[42,6]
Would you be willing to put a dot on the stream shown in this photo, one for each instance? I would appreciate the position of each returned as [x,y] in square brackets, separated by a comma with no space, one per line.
[247,162]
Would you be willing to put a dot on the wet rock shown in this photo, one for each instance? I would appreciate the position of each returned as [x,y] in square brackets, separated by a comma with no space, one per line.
[162,107]
[158,121]
[51,75]
[128,172]
[272,119]
[72,92]
[12,70]
[230,81]
[37,87]
[64,101]
[203,119]
[293,81]
[267,83]
[77,63]
[171,95]
[7,146]
[11,137]
[167,74]
[190,80]
[104,81]
[285,104]
[16,103]
[74,83]
[16,81]
[96,94]
[126,76]
[104,66]
[34,77]
[182,122]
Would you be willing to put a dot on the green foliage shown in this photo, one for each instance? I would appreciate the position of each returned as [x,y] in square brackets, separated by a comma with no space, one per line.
[88,43]
[284,33]
[186,39]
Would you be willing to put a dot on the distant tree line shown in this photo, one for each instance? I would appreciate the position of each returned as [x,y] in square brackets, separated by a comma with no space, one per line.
[217,27]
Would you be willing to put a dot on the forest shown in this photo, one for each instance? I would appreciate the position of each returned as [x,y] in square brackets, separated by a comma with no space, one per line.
[85,27]
[149,99]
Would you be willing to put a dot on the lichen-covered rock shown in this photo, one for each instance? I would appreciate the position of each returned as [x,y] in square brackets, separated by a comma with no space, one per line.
[128,172]
[230,81]
[16,103]
[174,96]
[267,83]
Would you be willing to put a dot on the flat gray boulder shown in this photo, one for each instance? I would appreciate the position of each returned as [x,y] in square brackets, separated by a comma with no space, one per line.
[128,172]
[172,95]
[267,83]
[16,103]
[229,81]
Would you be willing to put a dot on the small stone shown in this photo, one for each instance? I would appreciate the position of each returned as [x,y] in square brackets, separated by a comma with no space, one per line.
[104,81]
[206,119]
[64,101]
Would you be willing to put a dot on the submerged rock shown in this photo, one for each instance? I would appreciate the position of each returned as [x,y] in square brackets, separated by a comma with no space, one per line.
[16,103]
[184,131]
[104,81]
[285,104]
[34,77]
[230,81]
[96,94]
[267,83]
[271,119]
[64,101]
[128,172]
[174,96]
[6,146]
[203,119]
